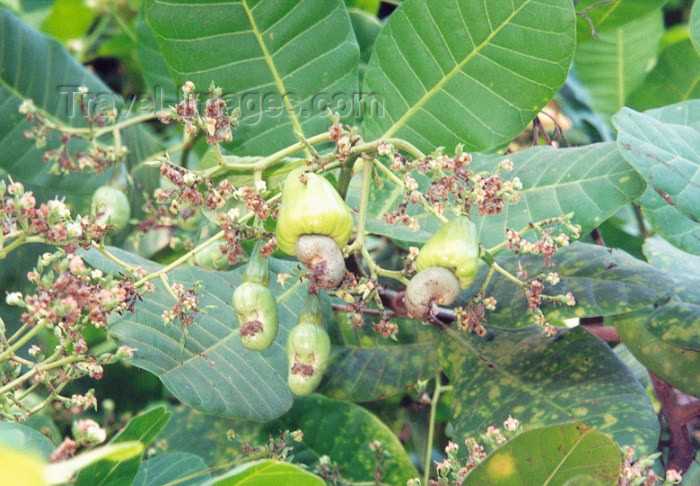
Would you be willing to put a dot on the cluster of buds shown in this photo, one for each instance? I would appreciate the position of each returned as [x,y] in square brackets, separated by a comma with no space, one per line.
[50,222]
[235,233]
[187,307]
[472,317]
[641,473]
[547,244]
[327,469]
[453,471]
[69,296]
[218,121]
[64,158]
[381,457]
[253,198]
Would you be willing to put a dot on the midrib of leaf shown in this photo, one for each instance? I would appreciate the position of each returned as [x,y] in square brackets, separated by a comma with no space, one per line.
[458,67]
[299,132]
[494,366]
[563,459]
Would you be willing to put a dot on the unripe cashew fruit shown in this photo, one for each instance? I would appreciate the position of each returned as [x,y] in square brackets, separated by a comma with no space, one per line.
[447,263]
[314,208]
[255,305]
[308,350]
[112,205]
[256,310]
[211,257]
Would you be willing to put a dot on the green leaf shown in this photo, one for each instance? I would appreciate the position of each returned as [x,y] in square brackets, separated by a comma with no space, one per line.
[69,19]
[369,6]
[676,365]
[614,65]
[366,28]
[343,432]
[667,220]
[677,322]
[39,68]
[695,25]
[611,15]
[552,455]
[171,466]
[19,436]
[265,473]
[257,52]
[604,282]
[545,381]
[142,428]
[369,367]
[471,72]
[593,182]
[676,77]
[153,67]
[666,155]
[213,372]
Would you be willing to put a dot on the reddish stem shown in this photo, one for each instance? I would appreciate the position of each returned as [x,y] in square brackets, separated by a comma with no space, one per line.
[681,452]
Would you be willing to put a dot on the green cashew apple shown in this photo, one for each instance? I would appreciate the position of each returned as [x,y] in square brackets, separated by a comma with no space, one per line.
[308,350]
[255,305]
[314,223]
[211,257]
[447,263]
[112,206]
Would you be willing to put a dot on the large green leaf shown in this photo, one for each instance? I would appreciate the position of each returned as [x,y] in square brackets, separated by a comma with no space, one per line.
[545,381]
[676,77]
[677,322]
[593,182]
[18,436]
[213,372]
[695,25]
[257,51]
[678,366]
[171,466]
[675,227]
[610,15]
[614,65]
[343,432]
[366,28]
[153,67]
[142,428]
[37,67]
[265,473]
[472,72]
[552,456]
[666,155]
[604,282]
[369,367]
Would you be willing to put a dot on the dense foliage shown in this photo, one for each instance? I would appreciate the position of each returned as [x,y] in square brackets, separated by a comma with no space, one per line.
[299,242]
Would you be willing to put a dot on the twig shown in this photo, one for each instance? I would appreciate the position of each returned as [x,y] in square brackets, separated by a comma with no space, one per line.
[681,452]
[606,333]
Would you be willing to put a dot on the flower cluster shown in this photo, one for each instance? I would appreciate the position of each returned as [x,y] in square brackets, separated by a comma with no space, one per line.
[20,218]
[64,157]
[641,473]
[218,121]
[187,307]
[472,317]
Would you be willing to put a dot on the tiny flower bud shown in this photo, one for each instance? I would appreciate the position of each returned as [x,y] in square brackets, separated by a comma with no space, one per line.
[14,298]
[511,424]
[297,435]
[88,432]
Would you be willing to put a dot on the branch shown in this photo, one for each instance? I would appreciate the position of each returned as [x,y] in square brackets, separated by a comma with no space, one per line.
[681,452]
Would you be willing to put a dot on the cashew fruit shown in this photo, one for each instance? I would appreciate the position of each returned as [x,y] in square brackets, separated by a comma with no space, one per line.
[311,208]
[454,246]
[112,205]
[255,305]
[308,350]
[256,310]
